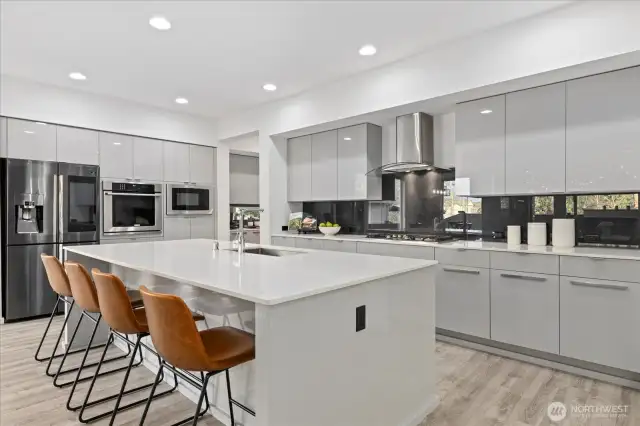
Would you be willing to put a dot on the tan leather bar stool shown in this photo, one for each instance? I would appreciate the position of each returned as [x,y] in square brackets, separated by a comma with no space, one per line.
[123,320]
[86,297]
[181,346]
[59,282]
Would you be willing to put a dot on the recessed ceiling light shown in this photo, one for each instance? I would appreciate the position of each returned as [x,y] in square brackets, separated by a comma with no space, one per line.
[347,139]
[182,101]
[77,76]
[29,131]
[269,87]
[486,111]
[117,143]
[41,123]
[368,50]
[160,23]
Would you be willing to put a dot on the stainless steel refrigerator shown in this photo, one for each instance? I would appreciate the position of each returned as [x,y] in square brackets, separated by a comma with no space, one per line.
[44,206]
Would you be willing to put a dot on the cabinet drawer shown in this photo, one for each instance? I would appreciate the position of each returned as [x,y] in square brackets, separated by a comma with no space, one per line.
[524,310]
[463,257]
[599,320]
[525,262]
[283,241]
[340,245]
[396,250]
[308,243]
[605,269]
[463,301]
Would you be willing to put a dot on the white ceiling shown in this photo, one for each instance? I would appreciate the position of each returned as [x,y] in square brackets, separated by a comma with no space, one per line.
[219,54]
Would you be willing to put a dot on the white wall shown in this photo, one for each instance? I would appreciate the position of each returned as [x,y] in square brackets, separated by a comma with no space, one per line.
[566,43]
[249,143]
[34,101]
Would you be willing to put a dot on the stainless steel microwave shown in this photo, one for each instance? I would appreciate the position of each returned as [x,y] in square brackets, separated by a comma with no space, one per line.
[189,199]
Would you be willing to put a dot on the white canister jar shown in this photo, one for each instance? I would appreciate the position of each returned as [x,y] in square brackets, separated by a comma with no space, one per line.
[537,234]
[564,233]
[514,235]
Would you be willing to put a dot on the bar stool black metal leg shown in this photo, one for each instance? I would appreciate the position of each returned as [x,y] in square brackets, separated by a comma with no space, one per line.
[203,392]
[233,422]
[153,389]
[46,330]
[66,352]
[84,359]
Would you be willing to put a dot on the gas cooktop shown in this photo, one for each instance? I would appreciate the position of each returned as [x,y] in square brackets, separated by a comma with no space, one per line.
[408,236]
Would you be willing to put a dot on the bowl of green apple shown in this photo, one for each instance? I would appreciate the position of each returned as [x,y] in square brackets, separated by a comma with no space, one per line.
[329,229]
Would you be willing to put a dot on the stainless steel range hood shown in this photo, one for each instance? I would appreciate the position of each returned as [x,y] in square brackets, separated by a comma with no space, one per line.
[414,144]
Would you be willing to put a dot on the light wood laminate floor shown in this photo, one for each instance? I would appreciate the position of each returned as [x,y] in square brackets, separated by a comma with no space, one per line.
[475,388]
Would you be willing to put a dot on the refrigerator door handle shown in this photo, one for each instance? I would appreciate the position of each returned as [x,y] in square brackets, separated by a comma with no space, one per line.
[55,218]
[61,206]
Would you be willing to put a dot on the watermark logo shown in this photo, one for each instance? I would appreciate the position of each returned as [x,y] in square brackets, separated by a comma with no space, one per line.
[557,411]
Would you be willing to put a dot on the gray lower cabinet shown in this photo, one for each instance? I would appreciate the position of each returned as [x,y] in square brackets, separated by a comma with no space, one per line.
[308,243]
[600,321]
[397,250]
[463,302]
[525,309]
[283,241]
[340,245]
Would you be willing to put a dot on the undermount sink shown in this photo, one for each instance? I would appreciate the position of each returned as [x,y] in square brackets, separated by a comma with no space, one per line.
[270,252]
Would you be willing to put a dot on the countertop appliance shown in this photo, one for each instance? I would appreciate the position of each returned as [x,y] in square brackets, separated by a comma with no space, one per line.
[425,235]
[189,199]
[131,208]
[609,228]
[45,206]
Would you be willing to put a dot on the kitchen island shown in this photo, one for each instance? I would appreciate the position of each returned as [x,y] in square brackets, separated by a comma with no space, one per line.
[317,361]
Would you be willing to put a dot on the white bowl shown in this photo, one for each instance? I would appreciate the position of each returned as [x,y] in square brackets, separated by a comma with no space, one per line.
[329,231]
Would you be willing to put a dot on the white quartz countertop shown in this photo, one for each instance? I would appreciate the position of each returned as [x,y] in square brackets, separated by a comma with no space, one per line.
[257,278]
[599,252]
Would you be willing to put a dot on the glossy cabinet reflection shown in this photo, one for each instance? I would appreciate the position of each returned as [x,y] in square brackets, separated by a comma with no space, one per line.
[80,146]
[116,156]
[31,140]
[299,168]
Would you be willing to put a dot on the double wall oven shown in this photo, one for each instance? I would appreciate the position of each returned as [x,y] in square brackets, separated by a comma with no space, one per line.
[131,208]
[189,199]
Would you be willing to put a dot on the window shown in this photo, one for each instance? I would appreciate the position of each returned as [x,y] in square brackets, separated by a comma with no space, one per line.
[608,201]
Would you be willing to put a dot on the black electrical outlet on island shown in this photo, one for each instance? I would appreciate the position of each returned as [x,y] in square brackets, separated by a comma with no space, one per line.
[361,318]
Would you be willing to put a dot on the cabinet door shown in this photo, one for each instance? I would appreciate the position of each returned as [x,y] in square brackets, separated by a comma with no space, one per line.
[309,243]
[352,163]
[3,137]
[202,227]
[299,168]
[78,146]
[244,180]
[525,310]
[324,166]
[598,320]
[480,145]
[176,162]
[340,245]
[177,228]
[283,241]
[116,156]
[147,159]
[535,140]
[201,164]
[31,140]
[397,250]
[603,124]
[463,301]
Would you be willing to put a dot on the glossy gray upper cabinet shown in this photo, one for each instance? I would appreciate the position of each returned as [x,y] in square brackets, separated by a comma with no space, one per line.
[176,162]
[244,179]
[324,166]
[535,140]
[359,151]
[480,145]
[202,164]
[299,168]
[3,137]
[116,156]
[603,132]
[31,140]
[147,159]
[80,146]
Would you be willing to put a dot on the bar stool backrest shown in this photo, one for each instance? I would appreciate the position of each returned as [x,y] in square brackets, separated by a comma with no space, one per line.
[174,332]
[115,304]
[58,279]
[82,287]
